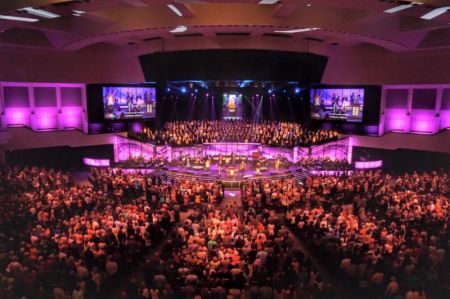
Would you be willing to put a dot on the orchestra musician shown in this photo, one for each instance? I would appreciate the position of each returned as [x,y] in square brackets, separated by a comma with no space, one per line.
[258,168]
[220,164]
[188,162]
[242,167]
[277,164]
[208,164]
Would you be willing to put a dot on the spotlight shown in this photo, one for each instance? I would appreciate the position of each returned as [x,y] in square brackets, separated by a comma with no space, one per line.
[297,90]
[168,89]
[270,91]
[183,89]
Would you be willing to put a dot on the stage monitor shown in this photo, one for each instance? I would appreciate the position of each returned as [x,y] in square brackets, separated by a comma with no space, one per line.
[341,104]
[232,106]
[127,102]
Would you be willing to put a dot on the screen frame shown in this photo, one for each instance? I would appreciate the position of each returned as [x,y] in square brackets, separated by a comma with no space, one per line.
[239,96]
[358,121]
[143,118]
[371,108]
[95,104]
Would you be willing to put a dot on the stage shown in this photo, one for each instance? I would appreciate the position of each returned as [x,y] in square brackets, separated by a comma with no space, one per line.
[225,169]
[231,163]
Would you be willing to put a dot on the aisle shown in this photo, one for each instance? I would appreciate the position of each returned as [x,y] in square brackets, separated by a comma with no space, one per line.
[232,197]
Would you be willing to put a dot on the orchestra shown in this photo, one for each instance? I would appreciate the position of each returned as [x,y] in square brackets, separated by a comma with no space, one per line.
[231,165]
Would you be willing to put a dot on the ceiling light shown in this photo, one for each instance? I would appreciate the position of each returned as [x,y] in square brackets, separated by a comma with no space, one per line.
[435,13]
[268,1]
[79,12]
[175,10]
[402,7]
[19,19]
[76,15]
[179,29]
[297,30]
[309,4]
[40,13]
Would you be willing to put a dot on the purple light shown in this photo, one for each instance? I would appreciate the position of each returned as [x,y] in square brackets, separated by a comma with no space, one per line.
[396,122]
[445,120]
[44,119]
[368,164]
[96,162]
[421,125]
[47,113]
[125,149]
[136,127]
[17,116]
[350,150]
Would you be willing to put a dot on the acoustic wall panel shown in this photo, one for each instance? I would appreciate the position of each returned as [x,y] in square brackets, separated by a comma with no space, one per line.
[71,96]
[16,96]
[45,96]
[424,99]
[396,98]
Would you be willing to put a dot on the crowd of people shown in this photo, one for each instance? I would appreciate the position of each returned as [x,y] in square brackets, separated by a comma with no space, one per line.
[283,134]
[224,253]
[389,236]
[323,163]
[380,236]
[61,240]
[144,162]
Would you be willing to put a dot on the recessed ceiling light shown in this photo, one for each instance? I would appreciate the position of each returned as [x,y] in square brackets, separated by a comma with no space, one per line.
[175,10]
[179,29]
[19,19]
[402,7]
[80,12]
[268,1]
[40,13]
[435,13]
[298,30]
[309,4]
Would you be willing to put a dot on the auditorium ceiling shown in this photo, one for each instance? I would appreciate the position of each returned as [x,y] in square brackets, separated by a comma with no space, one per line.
[394,26]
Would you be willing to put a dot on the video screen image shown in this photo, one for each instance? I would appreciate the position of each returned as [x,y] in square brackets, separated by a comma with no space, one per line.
[129,102]
[337,104]
[232,106]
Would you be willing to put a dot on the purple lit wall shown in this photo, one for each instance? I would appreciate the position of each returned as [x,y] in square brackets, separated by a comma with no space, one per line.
[43,106]
[125,149]
[96,162]
[336,150]
[368,164]
[419,109]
